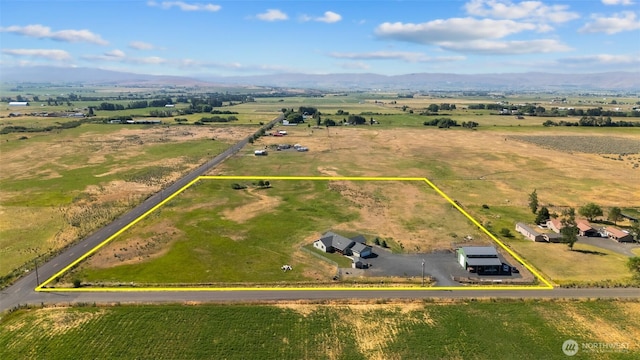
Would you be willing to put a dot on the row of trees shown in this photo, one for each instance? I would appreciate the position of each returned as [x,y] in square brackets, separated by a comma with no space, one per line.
[592,121]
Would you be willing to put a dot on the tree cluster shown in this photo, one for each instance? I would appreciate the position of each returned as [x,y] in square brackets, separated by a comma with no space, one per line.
[441,123]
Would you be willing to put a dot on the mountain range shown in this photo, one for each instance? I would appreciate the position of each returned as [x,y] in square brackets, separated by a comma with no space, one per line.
[609,81]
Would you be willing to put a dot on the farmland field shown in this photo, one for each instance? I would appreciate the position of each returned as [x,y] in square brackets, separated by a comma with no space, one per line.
[212,233]
[94,172]
[479,329]
[59,186]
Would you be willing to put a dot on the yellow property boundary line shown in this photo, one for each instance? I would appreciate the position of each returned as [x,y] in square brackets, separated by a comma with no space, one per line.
[546,285]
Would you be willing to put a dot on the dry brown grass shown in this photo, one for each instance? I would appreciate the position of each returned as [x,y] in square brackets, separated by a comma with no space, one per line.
[262,203]
[155,242]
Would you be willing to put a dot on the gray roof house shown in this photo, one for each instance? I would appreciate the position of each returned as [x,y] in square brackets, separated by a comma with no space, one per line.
[332,242]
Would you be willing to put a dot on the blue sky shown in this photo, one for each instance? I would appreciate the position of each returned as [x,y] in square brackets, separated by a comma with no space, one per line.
[226,38]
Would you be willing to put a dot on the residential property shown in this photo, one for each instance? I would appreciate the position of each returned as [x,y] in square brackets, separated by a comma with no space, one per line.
[528,232]
[360,250]
[585,228]
[554,224]
[618,235]
[482,260]
[332,242]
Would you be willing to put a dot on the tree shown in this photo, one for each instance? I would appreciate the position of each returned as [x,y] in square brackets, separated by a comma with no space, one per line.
[533,201]
[590,211]
[569,229]
[543,215]
[615,214]
[433,108]
[357,120]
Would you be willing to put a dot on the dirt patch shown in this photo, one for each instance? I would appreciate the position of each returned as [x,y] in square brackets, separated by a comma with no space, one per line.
[598,329]
[57,321]
[261,202]
[405,212]
[155,243]
[373,332]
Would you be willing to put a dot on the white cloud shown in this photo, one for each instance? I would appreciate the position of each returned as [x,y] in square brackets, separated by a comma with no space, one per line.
[406,56]
[148,60]
[624,21]
[272,15]
[51,54]
[490,47]
[44,32]
[115,53]
[526,10]
[329,17]
[617,2]
[120,56]
[185,6]
[454,29]
[141,45]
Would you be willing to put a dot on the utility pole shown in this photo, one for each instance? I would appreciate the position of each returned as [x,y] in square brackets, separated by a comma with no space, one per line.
[422,272]
[37,276]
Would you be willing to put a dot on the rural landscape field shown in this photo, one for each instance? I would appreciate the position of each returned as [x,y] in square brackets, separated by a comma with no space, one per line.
[238,232]
[200,179]
[531,329]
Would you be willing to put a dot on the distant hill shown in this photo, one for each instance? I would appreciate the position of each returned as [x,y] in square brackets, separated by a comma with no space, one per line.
[619,81]
[616,81]
[62,75]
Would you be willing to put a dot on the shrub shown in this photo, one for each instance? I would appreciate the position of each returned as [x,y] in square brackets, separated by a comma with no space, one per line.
[505,232]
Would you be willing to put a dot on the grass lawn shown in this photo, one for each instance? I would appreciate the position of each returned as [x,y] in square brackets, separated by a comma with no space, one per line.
[383,330]
[565,267]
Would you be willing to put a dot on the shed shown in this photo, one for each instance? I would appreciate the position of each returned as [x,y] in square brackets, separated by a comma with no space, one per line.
[483,260]
[552,237]
[528,232]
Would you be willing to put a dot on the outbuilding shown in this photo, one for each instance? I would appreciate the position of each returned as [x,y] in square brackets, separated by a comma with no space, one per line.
[18,103]
[528,232]
[482,260]
[618,235]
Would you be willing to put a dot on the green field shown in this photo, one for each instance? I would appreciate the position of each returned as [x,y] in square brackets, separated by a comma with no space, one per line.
[503,329]
[213,234]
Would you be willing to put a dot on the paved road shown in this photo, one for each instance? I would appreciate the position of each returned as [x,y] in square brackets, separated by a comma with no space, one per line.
[24,286]
[605,243]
